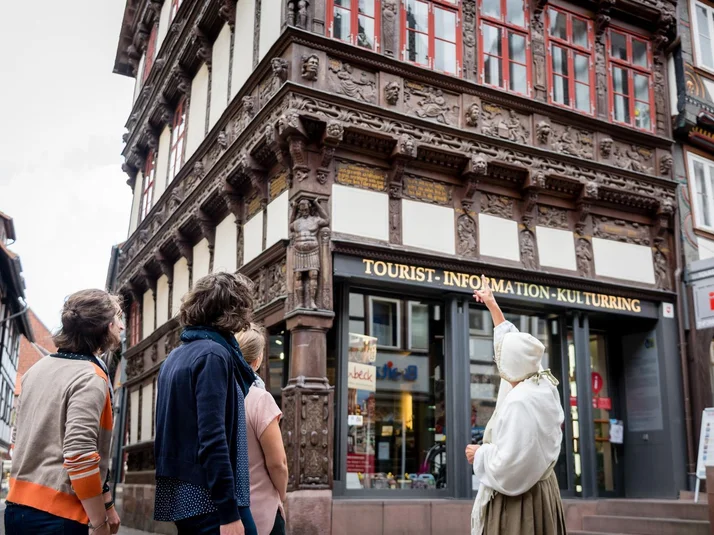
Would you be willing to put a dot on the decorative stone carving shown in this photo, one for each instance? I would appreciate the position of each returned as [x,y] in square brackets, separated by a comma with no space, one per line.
[538,53]
[357,84]
[473,115]
[391,93]
[310,67]
[584,257]
[172,341]
[634,158]
[549,216]
[389,25]
[469,38]
[601,74]
[275,281]
[543,131]
[503,123]
[665,165]
[497,205]
[227,12]
[279,66]
[306,220]
[573,141]
[407,146]
[395,214]
[290,15]
[660,94]
[302,6]
[619,230]
[431,103]
[528,250]
[661,270]
[606,148]
[135,366]
[466,231]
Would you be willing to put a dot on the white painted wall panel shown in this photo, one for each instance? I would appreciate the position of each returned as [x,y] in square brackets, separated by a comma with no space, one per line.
[163,23]
[623,261]
[162,300]
[253,237]
[147,410]
[226,253]
[556,248]
[201,259]
[147,314]
[706,248]
[219,75]
[278,215]
[162,163]
[136,202]
[134,416]
[360,212]
[498,237]
[428,226]
[197,110]
[180,284]
[243,46]
[269,25]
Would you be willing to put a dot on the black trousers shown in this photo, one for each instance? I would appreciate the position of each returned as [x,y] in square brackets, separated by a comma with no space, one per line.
[279,526]
[23,520]
[209,524]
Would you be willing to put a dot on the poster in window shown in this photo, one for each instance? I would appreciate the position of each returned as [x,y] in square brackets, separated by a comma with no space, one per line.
[363,349]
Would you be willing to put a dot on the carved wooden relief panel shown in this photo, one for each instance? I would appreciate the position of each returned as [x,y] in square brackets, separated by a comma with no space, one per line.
[352,82]
[507,124]
[428,102]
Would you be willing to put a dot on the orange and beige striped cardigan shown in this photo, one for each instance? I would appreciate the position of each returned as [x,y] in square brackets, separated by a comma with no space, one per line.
[63,437]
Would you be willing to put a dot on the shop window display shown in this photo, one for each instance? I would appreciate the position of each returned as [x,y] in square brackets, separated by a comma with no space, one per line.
[396,402]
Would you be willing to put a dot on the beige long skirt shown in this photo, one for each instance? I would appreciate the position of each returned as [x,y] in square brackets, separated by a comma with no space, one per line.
[537,512]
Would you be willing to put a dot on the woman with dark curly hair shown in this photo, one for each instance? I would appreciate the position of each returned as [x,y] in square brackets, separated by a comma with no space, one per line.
[58,481]
[201,447]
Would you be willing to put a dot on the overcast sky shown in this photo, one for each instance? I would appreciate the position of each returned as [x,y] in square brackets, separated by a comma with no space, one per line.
[62,116]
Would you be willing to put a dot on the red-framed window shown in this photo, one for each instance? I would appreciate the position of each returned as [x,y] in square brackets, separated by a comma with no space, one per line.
[147,186]
[150,53]
[630,72]
[505,61]
[175,5]
[431,34]
[135,325]
[355,21]
[571,71]
[178,137]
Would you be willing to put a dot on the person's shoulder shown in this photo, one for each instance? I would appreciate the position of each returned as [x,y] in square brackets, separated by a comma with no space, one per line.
[260,396]
[200,349]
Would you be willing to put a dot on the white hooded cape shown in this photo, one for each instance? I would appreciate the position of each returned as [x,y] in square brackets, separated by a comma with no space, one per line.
[522,439]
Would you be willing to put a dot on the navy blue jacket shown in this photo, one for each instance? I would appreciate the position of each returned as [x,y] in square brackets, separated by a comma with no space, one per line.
[196,412]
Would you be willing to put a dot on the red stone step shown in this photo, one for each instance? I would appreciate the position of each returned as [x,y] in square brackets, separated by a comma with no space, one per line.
[671,509]
[632,525]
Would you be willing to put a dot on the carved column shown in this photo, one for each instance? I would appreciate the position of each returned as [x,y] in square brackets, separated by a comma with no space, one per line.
[308,399]
[529,249]
[208,231]
[466,226]
[538,53]
[150,280]
[236,205]
[390,41]
[186,249]
[404,152]
[583,230]
[602,21]
[167,268]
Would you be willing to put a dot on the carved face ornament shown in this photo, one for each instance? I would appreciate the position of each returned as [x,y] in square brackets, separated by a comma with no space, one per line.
[543,131]
[391,93]
[473,114]
[304,208]
[606,147]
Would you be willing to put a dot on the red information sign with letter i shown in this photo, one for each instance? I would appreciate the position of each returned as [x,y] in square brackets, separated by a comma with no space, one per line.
[597,382]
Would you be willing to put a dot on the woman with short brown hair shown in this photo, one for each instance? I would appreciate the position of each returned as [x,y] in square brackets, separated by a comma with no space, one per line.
[64,425]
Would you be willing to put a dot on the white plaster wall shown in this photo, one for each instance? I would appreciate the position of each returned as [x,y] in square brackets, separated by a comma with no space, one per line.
[225,254]
[197,110]
[201,259]
[139,74]
[269,25]
[134,416]
[147,314]
[164,23]
[624,261]
[428,226]
[136,202]
[278,215]
[253,237]
[706,248]
[162,300]
[162,163]
[243,46]
[147,409]
[556,248]
[219,75]
[360,212]
[180,284]
[498,238]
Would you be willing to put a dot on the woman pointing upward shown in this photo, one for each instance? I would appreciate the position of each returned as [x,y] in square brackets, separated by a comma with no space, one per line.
[519,492]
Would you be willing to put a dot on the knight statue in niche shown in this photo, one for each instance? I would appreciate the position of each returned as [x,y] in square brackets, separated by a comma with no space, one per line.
[307,218]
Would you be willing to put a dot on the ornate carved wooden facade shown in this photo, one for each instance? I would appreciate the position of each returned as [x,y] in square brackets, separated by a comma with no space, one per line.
[317,112]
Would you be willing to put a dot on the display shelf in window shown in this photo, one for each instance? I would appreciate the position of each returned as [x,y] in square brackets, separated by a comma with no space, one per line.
[431,34]
[630,79]
[503,37]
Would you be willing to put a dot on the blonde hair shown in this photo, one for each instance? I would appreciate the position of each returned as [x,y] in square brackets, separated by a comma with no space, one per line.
[252,342]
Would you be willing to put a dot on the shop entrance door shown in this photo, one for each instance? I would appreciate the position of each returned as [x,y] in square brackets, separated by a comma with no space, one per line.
[593,371]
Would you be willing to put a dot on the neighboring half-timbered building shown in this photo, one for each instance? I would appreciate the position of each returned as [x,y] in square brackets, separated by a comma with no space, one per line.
[364,162]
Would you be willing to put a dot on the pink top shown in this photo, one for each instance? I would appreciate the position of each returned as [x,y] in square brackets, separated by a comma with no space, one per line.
[260,411]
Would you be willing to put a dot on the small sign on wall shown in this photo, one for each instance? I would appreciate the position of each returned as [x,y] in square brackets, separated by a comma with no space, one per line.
[668,310]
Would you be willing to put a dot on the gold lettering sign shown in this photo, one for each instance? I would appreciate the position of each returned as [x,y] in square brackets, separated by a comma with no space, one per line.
[467,281]
[254,206]
[427,190]
[361,176]
[278,185]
